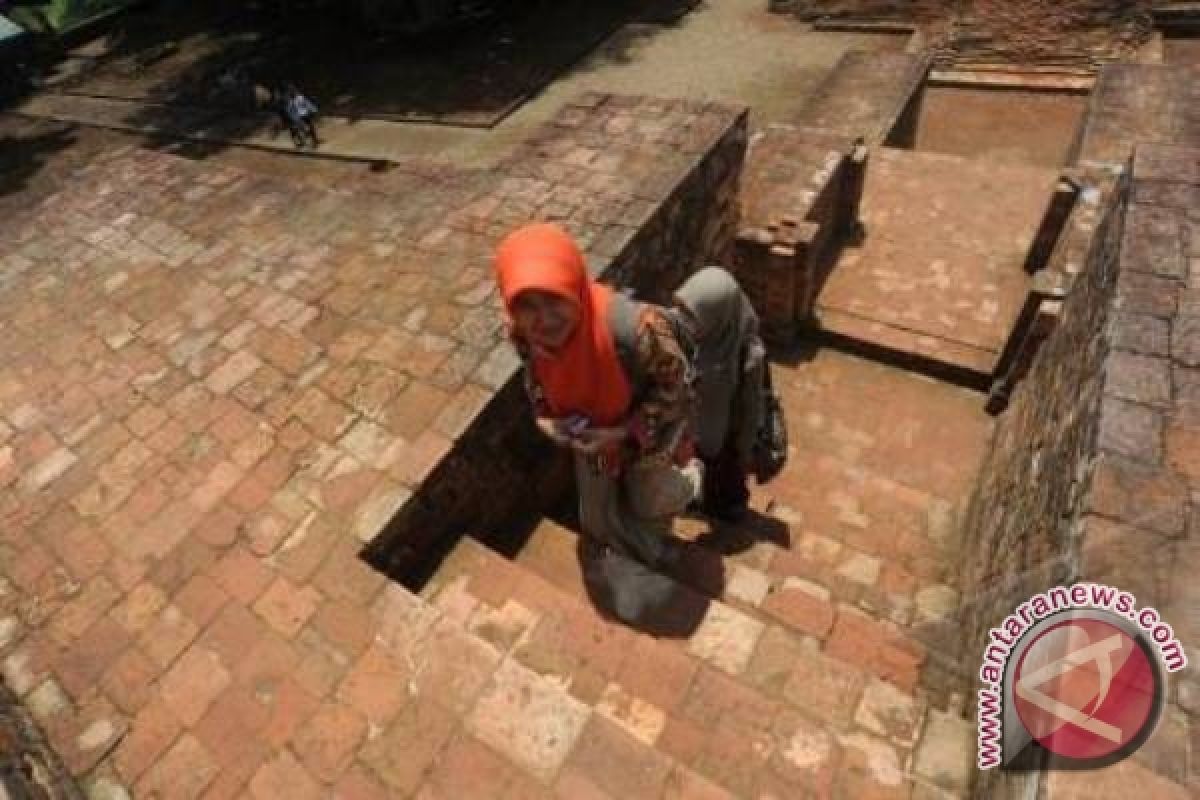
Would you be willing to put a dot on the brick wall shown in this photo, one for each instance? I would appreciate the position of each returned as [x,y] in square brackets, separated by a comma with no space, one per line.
[1093,473]
[801,195]
[648,188]
[1019,526]
[1077,33]
[1140,522]
[29,767]
[1137,103]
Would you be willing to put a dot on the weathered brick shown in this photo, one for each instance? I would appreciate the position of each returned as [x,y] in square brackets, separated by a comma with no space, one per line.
[151,732]
[804,606]
[81,664]
[726,638]
[803,760]
[1137,560]
[618,763]
[284,777]
[529,720]
[403,753]
[945,754]
[88,736]
[287,607]
[657,674]
[242,575]
[1123,779]
[326,745]
[128,681]
[1143,293]
[1140,379]
[1141,496]
[1141,333]
[1131,430]
[1185,340]
[166,637]
[237,368]
[200,599]
[880,647]
[185,771]
[376,686]
[359,784]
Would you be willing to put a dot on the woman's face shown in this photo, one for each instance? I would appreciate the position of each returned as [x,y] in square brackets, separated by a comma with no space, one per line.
[544,320]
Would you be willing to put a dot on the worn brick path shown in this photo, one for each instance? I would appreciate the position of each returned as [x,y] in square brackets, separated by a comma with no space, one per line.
[816,666]
[215,386]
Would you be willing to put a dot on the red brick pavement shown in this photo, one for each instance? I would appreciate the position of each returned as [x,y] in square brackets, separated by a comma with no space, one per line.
[215,386]
[813,657]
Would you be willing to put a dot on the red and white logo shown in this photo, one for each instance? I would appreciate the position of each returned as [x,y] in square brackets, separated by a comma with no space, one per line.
[1085,689]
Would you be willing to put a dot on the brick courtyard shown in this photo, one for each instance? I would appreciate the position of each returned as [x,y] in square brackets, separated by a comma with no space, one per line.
[240,411]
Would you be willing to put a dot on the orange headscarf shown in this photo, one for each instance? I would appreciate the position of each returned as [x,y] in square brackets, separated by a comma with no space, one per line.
[585,377]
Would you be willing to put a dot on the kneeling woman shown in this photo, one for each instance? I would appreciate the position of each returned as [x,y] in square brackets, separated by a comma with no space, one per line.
[608,378]
[730,362]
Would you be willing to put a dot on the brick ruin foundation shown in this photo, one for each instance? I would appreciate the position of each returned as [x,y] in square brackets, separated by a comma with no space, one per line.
[1096,380]
[1079,33]
[1090,471]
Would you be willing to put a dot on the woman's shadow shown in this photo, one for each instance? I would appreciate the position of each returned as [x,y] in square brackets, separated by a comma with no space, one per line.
[669,599]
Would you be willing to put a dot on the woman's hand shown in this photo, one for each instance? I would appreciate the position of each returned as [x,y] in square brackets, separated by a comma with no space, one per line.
[592,440]
[553,431]
[589,441]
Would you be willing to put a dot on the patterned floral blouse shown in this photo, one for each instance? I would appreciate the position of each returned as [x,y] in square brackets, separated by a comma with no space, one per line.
[664,400]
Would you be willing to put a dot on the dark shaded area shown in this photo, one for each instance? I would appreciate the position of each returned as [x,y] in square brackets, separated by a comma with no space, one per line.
[909,362]
[733,538]
[214,55]
[29,767]
[1182,48]
[801,351]
[38,157]
[25,150]
[666,608]
[206,69]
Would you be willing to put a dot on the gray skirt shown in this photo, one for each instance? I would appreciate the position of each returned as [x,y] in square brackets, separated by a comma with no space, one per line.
[633,512]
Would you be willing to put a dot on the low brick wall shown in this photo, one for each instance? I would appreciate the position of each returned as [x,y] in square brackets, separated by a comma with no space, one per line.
[1058,256]
[1137,103]
[1093,473]
[1019,525]
[802,191]
[869,95]
[804,182]
[648,188]
[1073,33]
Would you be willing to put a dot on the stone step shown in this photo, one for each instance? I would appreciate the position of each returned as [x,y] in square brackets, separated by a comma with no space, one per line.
[457,711]
[911,349]
[741,708]
[799,588]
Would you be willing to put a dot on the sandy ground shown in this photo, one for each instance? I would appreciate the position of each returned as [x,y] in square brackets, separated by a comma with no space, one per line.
[731,51]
